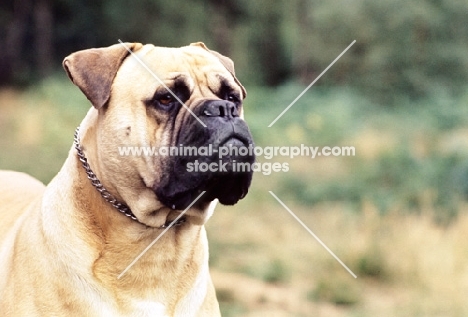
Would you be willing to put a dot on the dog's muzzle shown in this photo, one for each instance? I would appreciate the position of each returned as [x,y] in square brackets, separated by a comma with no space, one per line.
[223,169]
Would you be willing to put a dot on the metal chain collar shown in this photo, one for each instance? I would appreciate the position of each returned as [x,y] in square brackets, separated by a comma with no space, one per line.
[121,207]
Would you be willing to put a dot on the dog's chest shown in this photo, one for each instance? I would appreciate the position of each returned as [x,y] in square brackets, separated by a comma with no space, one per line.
[149,308]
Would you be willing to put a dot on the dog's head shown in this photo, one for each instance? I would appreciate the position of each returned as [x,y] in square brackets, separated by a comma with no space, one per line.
[169,124]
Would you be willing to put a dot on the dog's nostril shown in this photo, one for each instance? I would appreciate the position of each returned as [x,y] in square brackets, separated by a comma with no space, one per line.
[222,111]
[234,111]
[219,108]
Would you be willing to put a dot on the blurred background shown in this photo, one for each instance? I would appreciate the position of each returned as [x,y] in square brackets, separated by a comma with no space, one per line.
[396,213]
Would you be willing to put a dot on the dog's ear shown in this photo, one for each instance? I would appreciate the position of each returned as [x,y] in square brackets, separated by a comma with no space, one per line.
[226,61]
[93,70]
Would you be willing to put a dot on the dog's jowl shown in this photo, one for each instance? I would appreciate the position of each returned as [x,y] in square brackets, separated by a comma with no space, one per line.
[64,247]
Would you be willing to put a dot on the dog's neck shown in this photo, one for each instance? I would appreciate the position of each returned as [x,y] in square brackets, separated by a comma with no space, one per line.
[106,195]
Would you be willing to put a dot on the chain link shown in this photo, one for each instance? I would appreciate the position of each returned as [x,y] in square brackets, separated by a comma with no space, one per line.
[121,207]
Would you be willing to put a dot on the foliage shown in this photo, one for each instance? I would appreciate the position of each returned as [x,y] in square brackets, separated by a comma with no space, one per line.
[337,289]
[274,271]
[419,159]
[414,49]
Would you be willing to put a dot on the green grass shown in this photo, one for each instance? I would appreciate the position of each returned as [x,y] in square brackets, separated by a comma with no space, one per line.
[274,271]
[341,292]
[37,134]
[419,159]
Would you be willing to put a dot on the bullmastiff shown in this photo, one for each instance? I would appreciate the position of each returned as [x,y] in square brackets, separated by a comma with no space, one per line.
[64,247]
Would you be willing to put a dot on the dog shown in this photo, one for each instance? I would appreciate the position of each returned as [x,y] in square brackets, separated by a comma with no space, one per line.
[66,249]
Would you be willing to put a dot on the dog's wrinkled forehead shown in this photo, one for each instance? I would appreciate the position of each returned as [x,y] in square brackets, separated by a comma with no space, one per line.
[194,66]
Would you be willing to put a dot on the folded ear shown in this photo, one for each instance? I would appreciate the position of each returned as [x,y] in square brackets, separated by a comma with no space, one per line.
[226,61]
[93,70]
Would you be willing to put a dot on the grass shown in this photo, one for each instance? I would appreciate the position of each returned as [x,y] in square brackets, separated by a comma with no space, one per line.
[396,213]
[402,153]
[340,292]
[406,264]
[37,126]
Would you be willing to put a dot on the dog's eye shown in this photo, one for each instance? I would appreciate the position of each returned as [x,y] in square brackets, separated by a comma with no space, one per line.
[166,99]
[232,98]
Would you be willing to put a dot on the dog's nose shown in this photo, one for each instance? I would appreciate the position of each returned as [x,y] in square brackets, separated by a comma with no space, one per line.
[220,108]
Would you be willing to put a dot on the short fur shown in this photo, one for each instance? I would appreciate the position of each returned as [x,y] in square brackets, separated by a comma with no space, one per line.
[63,246]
